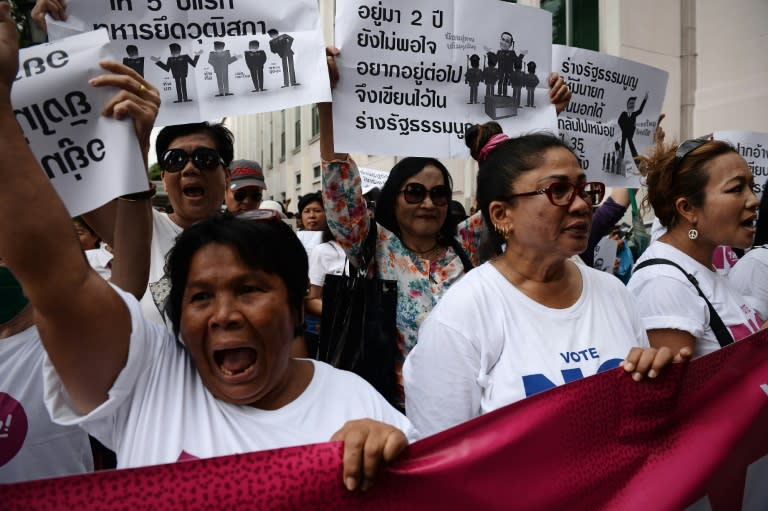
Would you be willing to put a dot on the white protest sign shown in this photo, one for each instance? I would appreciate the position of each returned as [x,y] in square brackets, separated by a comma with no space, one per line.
[213,58]
[414,75]
[605,254]
[372,178]
[89,159]
[753,147]
[613,112]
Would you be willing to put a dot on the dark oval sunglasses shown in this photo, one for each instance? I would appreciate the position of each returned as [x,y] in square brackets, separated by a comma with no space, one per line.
[204,158]
[563,193]
[254,194]
[415,193]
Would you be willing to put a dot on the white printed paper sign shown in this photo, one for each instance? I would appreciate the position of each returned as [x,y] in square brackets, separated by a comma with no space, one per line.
[213,58]
[605,254]
[753,147]
[613,113]
[372,178]
[89,158]
[414,75]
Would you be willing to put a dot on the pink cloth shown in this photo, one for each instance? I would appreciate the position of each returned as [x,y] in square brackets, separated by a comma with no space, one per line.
[490,146]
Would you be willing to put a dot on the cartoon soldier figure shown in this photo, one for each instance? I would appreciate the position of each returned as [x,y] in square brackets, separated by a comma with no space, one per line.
[473,77]
[178,65]
[281,45]
[220,59]
[531,81]
[490,74]
[133,60]
[255,60]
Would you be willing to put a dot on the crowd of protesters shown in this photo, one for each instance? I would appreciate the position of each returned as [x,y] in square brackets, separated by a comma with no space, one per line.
[178,335]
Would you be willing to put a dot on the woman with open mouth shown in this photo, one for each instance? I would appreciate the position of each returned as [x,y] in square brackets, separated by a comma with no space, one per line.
[701,192]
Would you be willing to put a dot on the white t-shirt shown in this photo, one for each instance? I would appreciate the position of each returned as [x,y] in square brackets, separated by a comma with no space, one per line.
[486,345]
[666,299]
[32,446]
[159,411]
[310,239]
[326,258]
[750,279]
[164,233]
[99,259]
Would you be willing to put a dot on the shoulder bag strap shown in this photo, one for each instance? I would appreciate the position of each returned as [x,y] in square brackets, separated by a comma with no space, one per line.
[459,249]
[721,331]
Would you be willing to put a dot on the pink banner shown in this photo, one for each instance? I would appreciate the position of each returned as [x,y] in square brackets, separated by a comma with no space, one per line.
[694,437]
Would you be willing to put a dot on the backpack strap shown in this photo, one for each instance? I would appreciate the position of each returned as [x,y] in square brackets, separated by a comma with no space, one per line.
[718,327]
[459,249]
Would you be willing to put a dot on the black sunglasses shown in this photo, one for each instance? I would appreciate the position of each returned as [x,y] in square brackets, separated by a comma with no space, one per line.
[563,193]
[688,147]
[204,158]
[253,193]
[415,193]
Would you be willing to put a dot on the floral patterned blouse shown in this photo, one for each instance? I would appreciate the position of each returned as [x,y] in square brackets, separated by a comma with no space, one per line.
[420,282]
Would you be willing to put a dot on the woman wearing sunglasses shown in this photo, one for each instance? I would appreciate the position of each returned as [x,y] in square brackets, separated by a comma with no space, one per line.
[530,318]
[701,192]
[417,245]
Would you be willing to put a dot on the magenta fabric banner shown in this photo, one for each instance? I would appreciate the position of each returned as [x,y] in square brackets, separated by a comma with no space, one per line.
[695,438]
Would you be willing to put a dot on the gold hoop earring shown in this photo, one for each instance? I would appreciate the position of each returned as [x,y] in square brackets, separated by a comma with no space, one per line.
[501,231]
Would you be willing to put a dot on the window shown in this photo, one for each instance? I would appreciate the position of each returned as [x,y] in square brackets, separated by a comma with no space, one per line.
[298,178]
[297,127]
[315,121]
[271,154]
[575,22]
[316,174]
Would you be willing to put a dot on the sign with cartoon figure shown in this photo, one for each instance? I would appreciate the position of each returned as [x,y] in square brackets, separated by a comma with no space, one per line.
[213,58]
[415,75]
[613,112]
[753,147]
[64,126]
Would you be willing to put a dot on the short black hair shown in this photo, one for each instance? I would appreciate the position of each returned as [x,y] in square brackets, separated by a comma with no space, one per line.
[220,134]
[270,246]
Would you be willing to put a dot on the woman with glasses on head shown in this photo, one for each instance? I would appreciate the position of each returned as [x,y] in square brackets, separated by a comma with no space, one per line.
[530,318]
[701,192]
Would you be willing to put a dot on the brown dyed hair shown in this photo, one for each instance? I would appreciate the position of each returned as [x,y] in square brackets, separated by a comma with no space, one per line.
[666,182]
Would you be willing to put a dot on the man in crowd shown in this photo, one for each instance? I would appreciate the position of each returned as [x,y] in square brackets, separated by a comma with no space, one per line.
[246,186]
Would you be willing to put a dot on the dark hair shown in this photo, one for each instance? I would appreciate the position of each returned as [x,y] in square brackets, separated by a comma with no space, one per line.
[217,45]
[400,173]
[272,32]
[761,236]
[270,246]
[220,134]
[498,172]
[174,47]
[131,50]
[666,182]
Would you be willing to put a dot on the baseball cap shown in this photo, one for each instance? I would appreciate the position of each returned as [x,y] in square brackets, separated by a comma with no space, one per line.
[246,173]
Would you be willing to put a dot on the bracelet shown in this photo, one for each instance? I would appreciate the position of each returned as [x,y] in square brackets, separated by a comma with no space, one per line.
[139,196]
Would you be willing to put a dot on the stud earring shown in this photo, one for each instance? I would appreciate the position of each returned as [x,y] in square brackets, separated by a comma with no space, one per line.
[693,233]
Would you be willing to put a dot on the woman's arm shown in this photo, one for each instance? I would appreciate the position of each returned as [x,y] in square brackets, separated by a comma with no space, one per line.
[314,300]
[345,209]
[84,324]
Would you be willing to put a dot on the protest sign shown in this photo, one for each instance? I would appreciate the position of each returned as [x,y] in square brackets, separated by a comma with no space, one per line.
[613,113]
[693,438]
[605,254]
[213,58]
[414,76]
[753,147]
[372,178]
[60,115]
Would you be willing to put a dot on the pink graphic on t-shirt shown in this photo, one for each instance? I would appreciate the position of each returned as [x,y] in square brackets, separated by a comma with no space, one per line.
[753,324]
[723,258]
[13,427]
